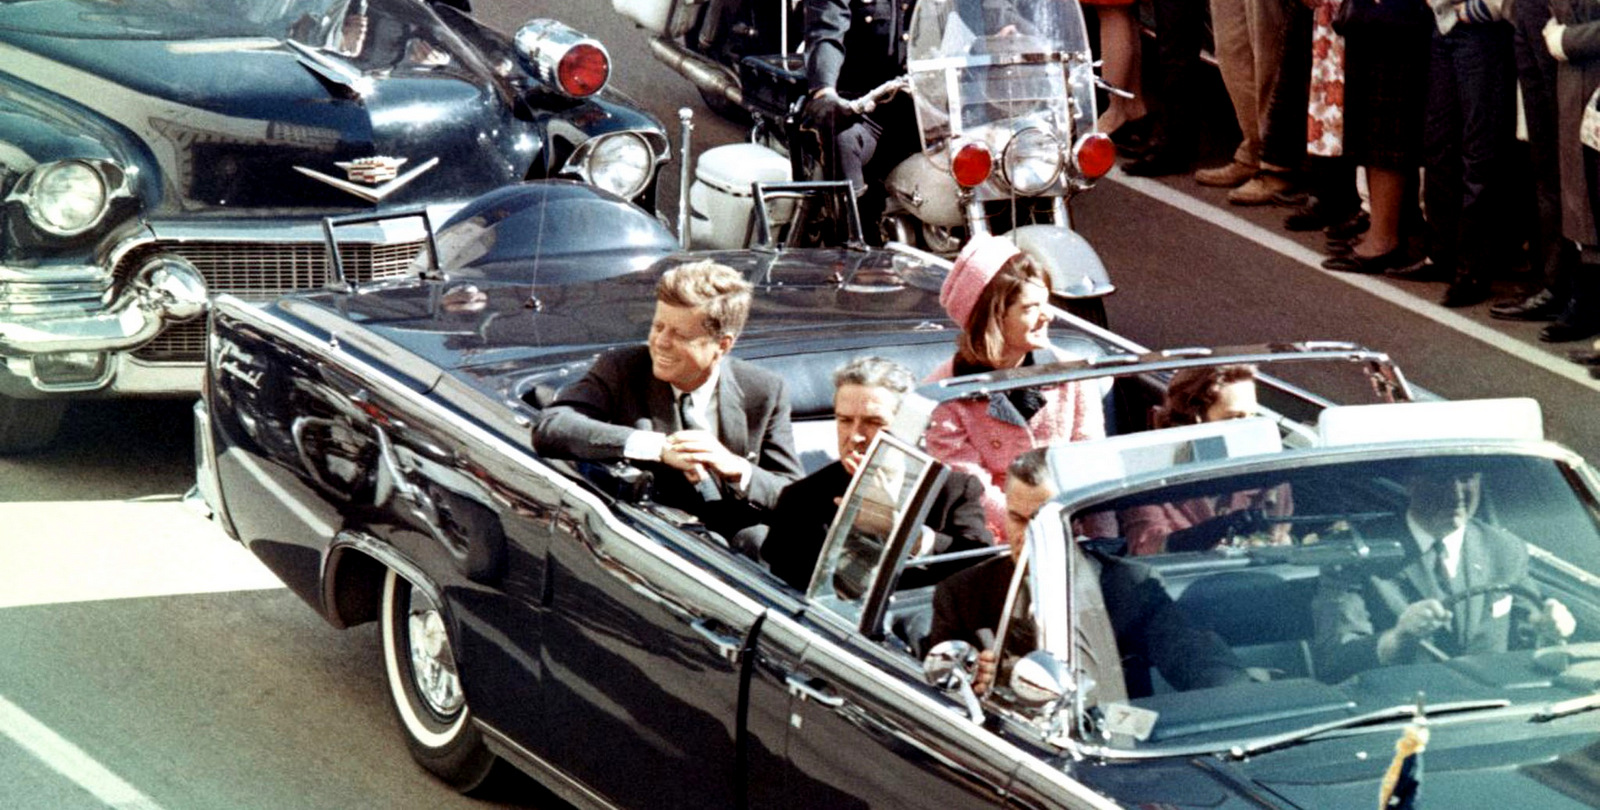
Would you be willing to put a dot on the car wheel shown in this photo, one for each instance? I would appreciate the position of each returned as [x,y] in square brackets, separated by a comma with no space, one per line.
[28,424]
[425,688]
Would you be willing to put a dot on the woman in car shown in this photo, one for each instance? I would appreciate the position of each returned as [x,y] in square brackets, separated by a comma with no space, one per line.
[1195,395]
[999,295]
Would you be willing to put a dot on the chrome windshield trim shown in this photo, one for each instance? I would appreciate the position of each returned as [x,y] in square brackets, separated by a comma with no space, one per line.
[1383,370]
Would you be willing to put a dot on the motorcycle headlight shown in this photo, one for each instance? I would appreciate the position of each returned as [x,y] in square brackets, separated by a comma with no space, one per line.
[1032,161]
[67,198]
[619,163]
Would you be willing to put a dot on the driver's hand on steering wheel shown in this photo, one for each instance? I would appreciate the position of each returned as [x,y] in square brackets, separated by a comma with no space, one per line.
[1555,622]
[1418,621]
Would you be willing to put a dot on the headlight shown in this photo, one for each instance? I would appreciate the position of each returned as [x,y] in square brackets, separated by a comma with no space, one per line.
[619,163]
[67,198]
[1032,161]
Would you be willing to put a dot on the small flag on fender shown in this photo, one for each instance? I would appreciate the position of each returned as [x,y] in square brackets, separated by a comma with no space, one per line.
[1402,783]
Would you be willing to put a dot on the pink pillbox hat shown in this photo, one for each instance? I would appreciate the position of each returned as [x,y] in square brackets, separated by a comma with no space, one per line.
[977,263]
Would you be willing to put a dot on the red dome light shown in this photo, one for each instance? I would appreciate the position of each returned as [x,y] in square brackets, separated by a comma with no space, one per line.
[1095,155]
[972,164]
[583,70]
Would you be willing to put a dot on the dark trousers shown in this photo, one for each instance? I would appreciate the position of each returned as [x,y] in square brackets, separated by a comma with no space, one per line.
[869,148]
[1548,252]
[1468,131]
[1180,32]
[1283,138]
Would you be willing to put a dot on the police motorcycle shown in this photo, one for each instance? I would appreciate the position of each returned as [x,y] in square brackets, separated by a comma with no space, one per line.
[1004,94]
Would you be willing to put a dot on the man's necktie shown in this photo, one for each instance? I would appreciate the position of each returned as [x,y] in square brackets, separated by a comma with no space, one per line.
[688,419]
[1441,568]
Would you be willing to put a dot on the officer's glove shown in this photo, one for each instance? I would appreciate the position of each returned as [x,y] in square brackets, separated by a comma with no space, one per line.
[1206,535]
[825,107]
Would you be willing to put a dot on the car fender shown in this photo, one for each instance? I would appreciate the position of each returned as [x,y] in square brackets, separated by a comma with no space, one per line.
[537,232]
[1075,267]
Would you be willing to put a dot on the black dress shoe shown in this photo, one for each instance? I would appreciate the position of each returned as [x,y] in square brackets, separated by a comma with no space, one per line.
[1584,357]
[1541,306]
[1158,162]
[1133,137]
[1351,227]
[1564,331]
[1420,270]
[1370,265]
[1465,291]
[1336,247]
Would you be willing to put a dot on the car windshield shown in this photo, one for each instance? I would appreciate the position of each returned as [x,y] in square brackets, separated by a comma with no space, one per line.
[1261,598]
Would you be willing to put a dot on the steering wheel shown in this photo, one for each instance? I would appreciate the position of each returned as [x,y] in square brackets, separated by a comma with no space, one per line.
[1528,596]
[1516,590]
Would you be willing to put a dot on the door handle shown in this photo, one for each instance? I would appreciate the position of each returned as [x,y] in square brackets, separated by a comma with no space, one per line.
[730,648]
[813,689]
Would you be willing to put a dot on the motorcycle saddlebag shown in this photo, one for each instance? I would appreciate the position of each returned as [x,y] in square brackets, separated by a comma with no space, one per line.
[772,84]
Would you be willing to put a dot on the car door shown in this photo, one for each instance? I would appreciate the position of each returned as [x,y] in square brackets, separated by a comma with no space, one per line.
[862,729]
[643,655]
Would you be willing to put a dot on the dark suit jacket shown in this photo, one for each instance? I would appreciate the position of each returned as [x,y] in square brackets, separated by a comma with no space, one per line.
[1149,628]
[805,511]
[1351,608]
[592,418]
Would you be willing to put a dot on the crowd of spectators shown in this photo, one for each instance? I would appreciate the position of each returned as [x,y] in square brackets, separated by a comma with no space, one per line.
[1431,140]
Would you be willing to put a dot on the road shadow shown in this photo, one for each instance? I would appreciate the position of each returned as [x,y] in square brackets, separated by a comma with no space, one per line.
[108,450]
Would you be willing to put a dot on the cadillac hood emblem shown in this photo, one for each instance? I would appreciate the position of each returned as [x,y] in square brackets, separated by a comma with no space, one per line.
[372,178]
[372,170]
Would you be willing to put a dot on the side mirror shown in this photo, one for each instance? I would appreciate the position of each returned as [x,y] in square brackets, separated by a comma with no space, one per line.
[949,666]
[1041,678]
[950,662]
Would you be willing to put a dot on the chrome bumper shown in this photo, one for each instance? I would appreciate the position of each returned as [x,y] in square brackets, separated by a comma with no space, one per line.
[165,290]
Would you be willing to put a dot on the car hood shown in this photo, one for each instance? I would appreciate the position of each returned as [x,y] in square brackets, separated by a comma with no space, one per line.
[256,92]
[1497,763]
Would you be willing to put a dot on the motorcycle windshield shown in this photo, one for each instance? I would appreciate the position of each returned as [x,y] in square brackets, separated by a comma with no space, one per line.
[999,72]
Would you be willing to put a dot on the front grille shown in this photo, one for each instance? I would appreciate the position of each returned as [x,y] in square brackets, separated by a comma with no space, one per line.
[259,272]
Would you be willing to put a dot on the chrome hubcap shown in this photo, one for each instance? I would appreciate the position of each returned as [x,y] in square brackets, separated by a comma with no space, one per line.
[433,662]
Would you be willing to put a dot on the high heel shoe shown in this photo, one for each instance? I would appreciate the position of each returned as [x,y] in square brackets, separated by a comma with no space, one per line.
[1370,265]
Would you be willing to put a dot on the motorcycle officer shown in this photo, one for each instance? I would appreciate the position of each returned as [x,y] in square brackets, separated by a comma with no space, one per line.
[852,47]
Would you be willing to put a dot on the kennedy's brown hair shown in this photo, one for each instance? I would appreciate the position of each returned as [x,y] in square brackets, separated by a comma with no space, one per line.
[718,290]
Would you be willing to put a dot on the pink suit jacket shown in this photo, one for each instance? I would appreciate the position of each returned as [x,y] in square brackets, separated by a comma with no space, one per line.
[982,436]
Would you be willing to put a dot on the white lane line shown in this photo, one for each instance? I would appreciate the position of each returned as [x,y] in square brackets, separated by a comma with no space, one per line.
[78,551]
[1290,249]
[69,760]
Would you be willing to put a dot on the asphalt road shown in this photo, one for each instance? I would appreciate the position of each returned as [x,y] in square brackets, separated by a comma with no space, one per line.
[150,660]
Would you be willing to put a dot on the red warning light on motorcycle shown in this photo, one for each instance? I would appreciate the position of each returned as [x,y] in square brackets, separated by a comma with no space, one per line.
[1095,155]
[972,164]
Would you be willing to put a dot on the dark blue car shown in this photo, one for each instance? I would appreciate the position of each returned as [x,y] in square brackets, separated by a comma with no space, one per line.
[156,152]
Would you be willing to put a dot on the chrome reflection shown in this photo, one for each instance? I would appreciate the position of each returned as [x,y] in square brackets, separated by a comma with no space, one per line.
[433,662]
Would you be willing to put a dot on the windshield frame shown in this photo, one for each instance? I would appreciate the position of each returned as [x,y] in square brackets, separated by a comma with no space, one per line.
[1073,728]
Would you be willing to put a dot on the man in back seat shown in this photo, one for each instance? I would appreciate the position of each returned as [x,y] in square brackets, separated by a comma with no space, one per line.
[866,394]
[714,429]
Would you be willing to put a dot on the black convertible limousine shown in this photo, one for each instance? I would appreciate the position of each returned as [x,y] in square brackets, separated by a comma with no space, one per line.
[370,444]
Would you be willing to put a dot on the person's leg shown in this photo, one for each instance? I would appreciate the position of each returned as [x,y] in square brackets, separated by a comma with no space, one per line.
[1119,52]
[1231,33]
[1441,157]
[1281,30]
[1550,256]
[1180,25]
[1386,194]
[1486,77]
[1581,318]
[1282,36]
